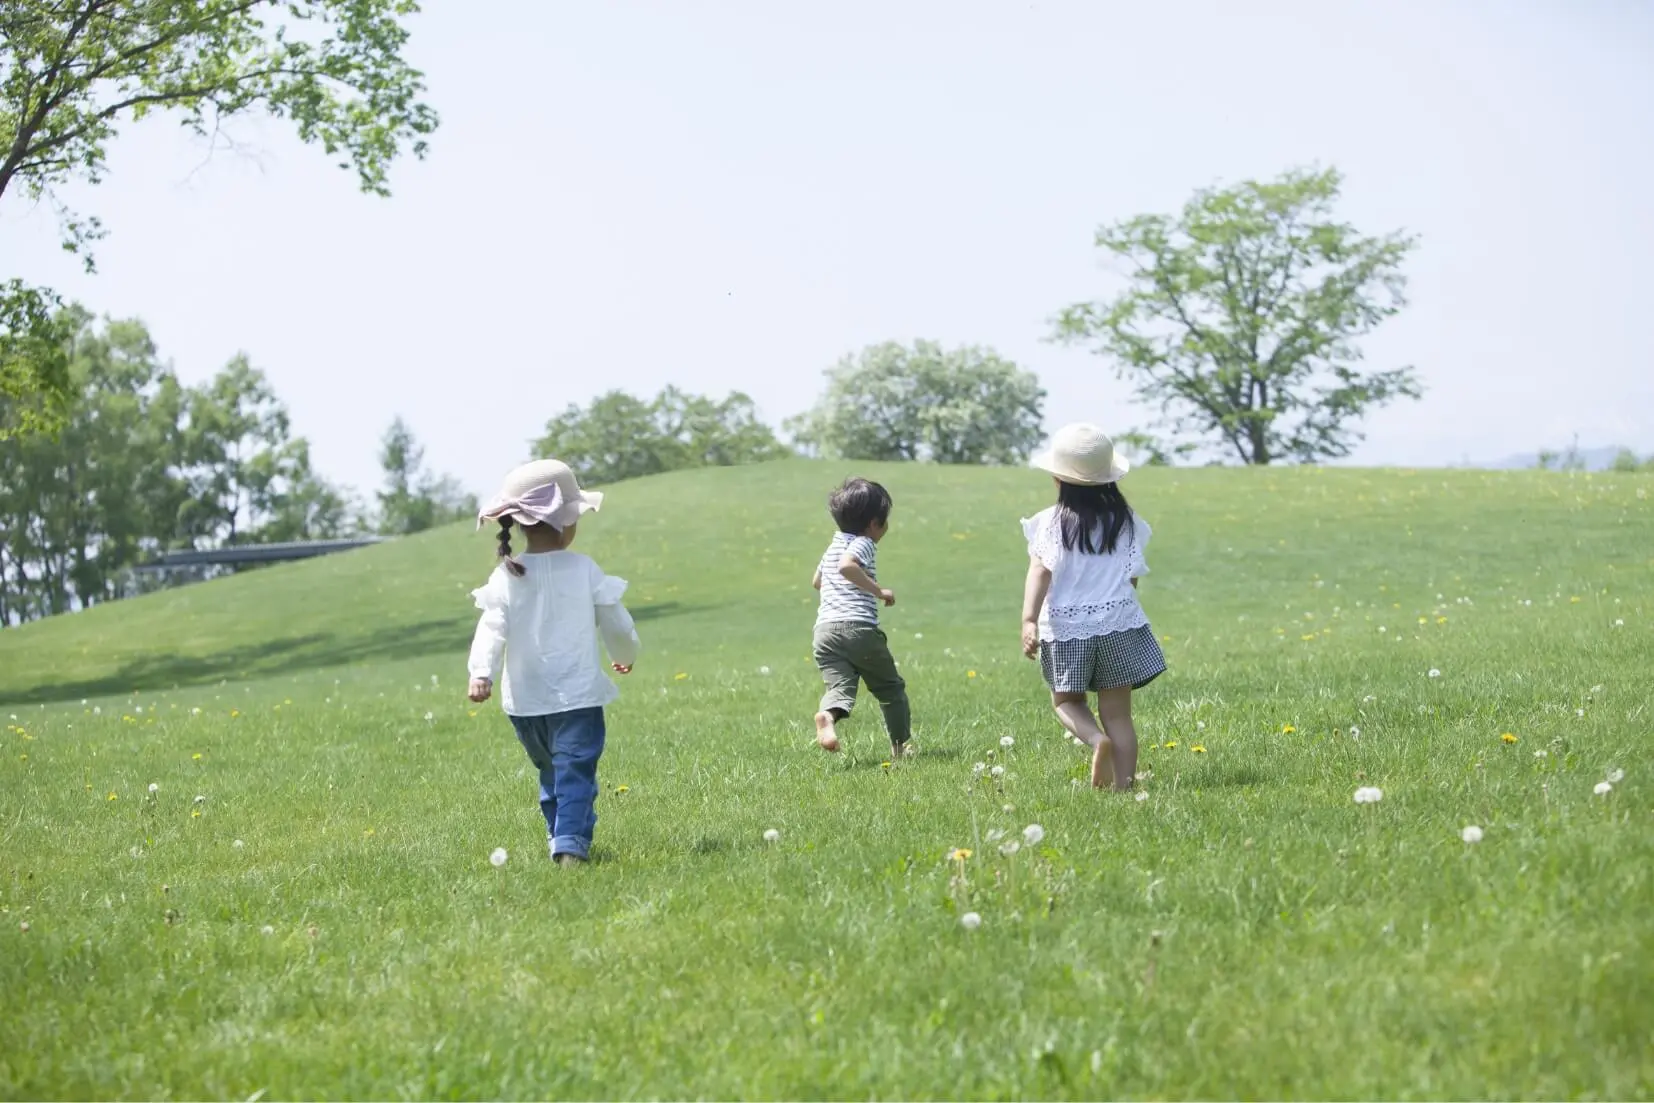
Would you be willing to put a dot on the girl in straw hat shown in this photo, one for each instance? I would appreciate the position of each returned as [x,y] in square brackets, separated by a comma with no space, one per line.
[544,611]
[1080,614]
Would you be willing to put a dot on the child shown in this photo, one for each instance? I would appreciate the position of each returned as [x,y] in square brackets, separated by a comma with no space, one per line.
[544,610]
[1079,608]
[849,645]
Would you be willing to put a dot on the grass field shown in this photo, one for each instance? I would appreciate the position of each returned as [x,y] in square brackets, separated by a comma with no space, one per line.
[303,904]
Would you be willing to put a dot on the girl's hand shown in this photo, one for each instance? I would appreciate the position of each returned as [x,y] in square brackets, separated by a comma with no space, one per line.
[621,668]
[1030,638]
[481,689]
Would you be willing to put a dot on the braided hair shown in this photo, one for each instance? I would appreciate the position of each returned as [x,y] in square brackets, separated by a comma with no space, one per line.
[507,560]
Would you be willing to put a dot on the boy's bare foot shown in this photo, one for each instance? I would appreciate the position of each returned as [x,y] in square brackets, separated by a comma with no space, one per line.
[899,751]
[1102,764]
[568,861]
[826,736]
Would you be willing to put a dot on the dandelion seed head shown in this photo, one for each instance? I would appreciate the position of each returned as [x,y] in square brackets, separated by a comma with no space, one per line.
[1471,834]
[238,844]
[1615,776]
[970,921]
[1369,794]
[1434,673]
[1603,788]
[1009,847]
[498,857]
[1007,741]
[764,670]
[997,771]
[154,787]
[1033,834]
[267,929]
[1141,796]
[772,836]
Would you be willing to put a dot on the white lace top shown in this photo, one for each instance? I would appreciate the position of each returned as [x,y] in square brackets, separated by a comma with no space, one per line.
[547,624]
[1091,595]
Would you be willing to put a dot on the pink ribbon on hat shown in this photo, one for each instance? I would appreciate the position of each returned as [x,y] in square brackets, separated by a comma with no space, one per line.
[544,505]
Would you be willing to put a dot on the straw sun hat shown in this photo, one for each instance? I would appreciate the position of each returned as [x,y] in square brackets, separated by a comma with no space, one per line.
[1082,454]
[544,492]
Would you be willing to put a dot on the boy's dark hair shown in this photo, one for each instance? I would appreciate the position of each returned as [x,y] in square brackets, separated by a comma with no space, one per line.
[857,504]
[1091,516]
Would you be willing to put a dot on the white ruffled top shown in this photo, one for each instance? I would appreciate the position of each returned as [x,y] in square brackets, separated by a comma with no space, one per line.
[1090,595]
[546,625]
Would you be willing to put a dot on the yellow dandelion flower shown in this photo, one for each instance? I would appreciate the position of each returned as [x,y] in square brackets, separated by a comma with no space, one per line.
[1307,637]
[1573,601]
[22,758]
[1198,749]
[1287,729]
[1508,737]
[970,673]
[679,677]
[958,854]
[368,833]
[234,713]
[113,796]
[1441,620]
[1424,620]
[622,789]
[884,765]
[1170,744]
[195,813]
[196,757]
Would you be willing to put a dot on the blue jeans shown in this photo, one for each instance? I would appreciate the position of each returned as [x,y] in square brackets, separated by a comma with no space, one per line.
[565,747]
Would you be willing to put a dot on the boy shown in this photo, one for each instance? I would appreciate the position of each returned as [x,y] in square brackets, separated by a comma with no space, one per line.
[849,645]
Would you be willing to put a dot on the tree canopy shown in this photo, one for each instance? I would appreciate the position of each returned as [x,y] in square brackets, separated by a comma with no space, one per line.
[1242,316]
[72,72]
[619,436]
[894,402]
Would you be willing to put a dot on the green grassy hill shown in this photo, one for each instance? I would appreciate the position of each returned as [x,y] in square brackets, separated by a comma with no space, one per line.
[1245,929]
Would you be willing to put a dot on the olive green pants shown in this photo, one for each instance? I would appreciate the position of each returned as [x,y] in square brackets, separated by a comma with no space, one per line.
[849,652]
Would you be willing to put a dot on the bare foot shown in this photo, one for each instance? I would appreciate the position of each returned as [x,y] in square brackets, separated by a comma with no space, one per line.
[899,751]
[826,737]
[568,861]
[1102,764]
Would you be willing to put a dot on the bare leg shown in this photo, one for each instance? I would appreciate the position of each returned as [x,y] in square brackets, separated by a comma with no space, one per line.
[1114,710]
[1076,716]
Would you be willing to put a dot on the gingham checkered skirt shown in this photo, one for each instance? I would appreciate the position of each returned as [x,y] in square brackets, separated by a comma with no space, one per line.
[1130,658]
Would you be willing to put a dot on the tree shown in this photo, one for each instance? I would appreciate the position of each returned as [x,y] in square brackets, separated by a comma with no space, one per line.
[619,436]
[73,71]
[414,499]
[965,405]
[1243,314]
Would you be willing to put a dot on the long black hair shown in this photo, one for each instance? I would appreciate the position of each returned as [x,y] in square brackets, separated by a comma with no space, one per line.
[1091,517]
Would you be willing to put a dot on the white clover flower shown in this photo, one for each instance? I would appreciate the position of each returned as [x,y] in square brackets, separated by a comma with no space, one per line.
[1008,809]
[1369,794]
[238,844]
[1032,834]
[1603,788]
[918,635]
[1369,699]
[430,716]
[970,921]
[1007,741]
[1615,776]
[764,670]
[1471,834]
[772,836]
[497,859]
[1619,622]
[1200,725]
[267,929]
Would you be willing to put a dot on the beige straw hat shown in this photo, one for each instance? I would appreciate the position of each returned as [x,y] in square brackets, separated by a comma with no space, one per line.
[544,492]
[1082,454]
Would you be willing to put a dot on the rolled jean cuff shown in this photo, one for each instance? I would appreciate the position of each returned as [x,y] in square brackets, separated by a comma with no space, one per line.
[570,844]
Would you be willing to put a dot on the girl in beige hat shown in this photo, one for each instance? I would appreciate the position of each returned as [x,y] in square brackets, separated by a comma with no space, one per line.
[1080,614]
[543,612]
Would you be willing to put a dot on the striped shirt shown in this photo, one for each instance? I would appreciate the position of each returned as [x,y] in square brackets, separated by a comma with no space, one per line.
[839,599]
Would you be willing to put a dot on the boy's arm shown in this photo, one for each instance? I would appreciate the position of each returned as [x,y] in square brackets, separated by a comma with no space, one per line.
[855,574]
[1034,589]
[815,579]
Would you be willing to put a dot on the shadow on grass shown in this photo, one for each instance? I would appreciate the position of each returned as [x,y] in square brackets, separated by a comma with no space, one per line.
[446,636]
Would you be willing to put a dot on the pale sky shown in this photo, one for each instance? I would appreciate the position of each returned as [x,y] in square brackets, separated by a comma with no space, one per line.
[731,194]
